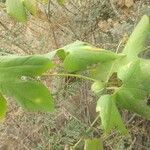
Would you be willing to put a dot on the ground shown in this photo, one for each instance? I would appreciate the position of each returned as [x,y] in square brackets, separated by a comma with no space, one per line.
[103,23]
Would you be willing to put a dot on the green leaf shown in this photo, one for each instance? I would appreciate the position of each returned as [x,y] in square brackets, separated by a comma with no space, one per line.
[97,87]
[31,95]
[80,55]
[104,70]
[136,42]
[135,75]
[3,107]
[93,144]
[31,6]
[15,9]
[109,114]
[133,94]
[24,65]
[144,64]
[17,79]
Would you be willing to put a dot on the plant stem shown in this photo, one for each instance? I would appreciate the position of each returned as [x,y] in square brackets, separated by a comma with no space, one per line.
[71,75]
[78,142]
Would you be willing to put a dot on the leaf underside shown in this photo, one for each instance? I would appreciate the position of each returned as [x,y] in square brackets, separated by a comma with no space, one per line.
[109,114]
[135,75]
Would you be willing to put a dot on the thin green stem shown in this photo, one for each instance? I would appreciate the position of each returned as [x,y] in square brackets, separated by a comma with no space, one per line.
[71,75]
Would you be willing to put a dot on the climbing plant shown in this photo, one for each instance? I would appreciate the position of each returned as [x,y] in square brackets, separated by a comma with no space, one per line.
[19,75]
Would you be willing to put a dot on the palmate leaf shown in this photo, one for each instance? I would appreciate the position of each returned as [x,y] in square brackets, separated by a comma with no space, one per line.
[16,80]
[134,46]
[135,75]
[80,55]
[3,107]
[109,114]
[134,92]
